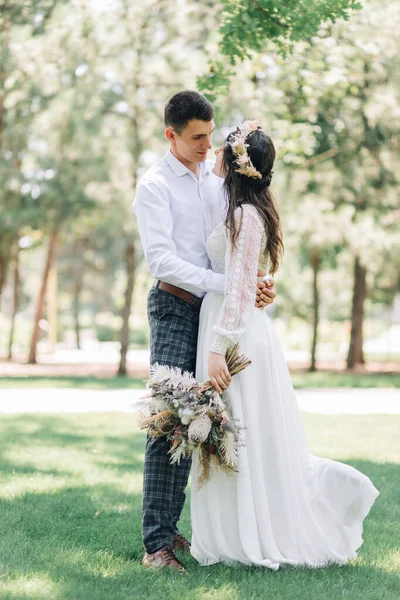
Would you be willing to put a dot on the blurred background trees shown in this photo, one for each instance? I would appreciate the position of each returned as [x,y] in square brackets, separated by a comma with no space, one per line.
[82,90]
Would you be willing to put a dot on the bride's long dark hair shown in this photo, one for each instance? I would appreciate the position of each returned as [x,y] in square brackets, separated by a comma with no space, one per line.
[241,189]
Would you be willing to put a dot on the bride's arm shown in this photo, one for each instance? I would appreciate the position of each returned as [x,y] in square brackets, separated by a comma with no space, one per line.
[241,270]
[241,266]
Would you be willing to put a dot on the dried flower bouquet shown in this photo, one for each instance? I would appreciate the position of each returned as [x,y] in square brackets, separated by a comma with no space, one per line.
[192,416]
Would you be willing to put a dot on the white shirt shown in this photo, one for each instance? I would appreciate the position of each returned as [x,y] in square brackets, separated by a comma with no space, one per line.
[176,214]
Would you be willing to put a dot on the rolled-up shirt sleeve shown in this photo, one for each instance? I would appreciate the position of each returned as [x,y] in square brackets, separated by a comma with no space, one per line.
[155,223]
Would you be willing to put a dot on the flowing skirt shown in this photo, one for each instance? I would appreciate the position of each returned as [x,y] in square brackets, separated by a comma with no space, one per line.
[284,506]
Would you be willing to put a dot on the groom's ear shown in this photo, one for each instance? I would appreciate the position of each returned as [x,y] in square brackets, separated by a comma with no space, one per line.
[170,134]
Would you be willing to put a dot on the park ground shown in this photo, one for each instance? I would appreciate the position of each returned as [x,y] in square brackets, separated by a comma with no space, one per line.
[70,512]
[71,461]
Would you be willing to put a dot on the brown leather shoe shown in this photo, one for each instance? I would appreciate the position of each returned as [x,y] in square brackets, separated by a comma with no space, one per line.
[181,543]
[165,557]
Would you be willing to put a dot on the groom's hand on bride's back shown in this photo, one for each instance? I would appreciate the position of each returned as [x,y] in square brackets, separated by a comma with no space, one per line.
[265,292]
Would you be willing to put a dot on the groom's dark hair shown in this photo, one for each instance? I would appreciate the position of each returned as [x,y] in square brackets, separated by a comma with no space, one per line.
[185,106]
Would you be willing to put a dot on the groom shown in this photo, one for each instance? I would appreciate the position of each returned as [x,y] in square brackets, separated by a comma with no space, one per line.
[178,203]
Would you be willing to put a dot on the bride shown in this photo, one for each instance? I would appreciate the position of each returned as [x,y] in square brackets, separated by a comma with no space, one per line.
[284,506]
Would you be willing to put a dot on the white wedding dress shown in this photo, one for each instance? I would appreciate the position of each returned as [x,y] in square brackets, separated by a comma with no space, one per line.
[284,506]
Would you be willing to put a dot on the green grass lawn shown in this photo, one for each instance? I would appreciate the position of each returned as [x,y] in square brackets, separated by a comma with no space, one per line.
[82,382]
[321,379]
[70,513]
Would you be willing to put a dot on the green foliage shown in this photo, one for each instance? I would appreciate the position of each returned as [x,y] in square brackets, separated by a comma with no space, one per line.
[140,338]
[28,12]
[106,333]
[250,26]
[265,25]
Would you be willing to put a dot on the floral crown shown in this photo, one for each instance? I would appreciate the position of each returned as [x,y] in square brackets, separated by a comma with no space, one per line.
[237,142]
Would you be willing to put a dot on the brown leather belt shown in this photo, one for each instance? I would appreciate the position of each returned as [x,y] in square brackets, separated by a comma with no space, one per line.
[179,293]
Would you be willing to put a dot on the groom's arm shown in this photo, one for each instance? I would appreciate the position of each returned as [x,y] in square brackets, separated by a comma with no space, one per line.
[266,292]
[155,223]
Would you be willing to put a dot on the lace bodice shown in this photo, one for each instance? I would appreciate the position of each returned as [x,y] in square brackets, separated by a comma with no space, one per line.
[240,266]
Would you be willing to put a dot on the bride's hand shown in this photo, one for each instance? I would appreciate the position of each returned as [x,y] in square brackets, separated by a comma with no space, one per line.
[218,372]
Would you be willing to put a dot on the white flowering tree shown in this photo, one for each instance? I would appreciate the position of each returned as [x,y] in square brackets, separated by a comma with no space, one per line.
[338,126]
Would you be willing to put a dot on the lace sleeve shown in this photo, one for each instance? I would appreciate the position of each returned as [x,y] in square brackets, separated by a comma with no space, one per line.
[241,265]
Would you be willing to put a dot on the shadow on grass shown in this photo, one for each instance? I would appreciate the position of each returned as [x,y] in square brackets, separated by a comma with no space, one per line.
[53,429]
[50,431]
[39,429]
[85,541]
[58,536]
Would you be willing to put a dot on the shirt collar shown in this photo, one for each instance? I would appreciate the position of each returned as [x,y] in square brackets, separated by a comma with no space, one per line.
[179,168]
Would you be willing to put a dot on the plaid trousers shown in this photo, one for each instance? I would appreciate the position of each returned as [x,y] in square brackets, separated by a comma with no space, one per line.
[173,341]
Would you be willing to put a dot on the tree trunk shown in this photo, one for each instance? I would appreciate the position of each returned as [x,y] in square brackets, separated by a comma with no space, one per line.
[8,240]
[315,263]
[5,34]
[52,307]
[3,271]
[4,259]
[2,100]
[77,306]
[355,355]
[15,300]
[124,335]
[42,296]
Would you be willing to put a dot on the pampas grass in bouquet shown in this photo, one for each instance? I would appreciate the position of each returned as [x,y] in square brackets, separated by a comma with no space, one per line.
[192,416]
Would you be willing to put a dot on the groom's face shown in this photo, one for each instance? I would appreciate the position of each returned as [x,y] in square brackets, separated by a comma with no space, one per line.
[194,142]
